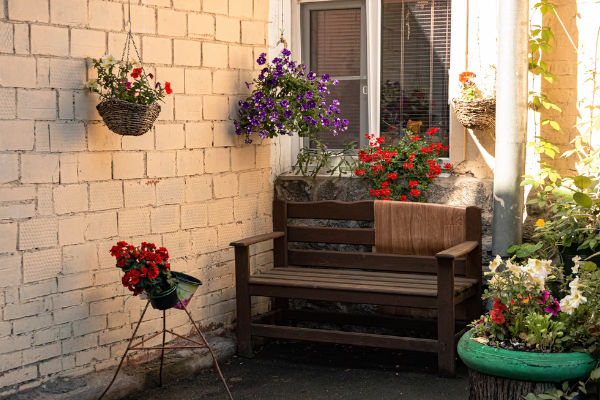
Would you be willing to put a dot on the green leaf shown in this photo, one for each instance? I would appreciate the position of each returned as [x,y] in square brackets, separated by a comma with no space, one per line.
[582,199]
[595,374]
[555,124]
[582,182]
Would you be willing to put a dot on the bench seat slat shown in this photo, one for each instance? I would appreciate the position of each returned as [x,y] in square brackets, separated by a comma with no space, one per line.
[335,280]
[371,261]
[413,279]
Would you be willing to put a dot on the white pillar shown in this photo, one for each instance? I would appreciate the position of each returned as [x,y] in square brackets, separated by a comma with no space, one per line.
[511,123]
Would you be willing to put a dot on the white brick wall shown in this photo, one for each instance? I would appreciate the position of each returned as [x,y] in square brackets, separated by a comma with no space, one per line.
[70,188]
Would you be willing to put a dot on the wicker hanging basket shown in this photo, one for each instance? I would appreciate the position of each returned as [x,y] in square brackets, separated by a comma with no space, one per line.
[129,119]
[476,114]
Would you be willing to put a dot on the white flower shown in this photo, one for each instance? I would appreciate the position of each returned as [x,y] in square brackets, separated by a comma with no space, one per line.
[109,59]
[135,63]
[566,305]
[577,298]
[574,284]
[495,263]
[514,269]
[92,84]
[577,263]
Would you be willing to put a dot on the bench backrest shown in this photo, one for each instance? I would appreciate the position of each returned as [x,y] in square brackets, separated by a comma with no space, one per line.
[423,235]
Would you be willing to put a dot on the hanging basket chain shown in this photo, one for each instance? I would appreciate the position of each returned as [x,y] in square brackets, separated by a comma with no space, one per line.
[130,41]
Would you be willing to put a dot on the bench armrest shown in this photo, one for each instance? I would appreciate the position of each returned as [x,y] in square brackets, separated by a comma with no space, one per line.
[459,250]
[257,239]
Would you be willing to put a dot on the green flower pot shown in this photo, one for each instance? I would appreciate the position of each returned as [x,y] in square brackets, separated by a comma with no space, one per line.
[522,365]
[186,287]
[165,300]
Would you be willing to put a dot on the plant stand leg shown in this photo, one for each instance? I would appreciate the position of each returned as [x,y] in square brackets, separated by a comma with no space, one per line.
[162,351]
[214,357]
[126,350]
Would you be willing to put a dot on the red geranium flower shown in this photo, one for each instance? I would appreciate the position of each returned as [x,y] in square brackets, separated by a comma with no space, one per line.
[447,166]
[392,175]
[415,192]
[168,88]
[136,73]
[359,171]
[413,184]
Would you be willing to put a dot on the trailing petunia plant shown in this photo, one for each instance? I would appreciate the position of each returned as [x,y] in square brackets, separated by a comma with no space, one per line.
[402,171]
[537,307]
[288,99]
[146,268]
[126,81]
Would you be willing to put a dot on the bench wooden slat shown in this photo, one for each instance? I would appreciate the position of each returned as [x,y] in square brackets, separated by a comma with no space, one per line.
[352,338]
[345,296]
[318,234]
[371,261]
[359,211]
[374,278]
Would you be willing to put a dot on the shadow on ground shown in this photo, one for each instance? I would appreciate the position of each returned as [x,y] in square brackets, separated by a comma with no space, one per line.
[287,370]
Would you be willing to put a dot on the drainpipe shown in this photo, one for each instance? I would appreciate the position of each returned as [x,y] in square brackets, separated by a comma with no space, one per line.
[511,123]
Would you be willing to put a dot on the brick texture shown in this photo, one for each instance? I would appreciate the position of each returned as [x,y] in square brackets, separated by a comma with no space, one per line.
[70,188]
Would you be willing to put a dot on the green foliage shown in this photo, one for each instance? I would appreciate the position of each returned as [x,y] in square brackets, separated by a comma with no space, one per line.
[125,81]
[311,161]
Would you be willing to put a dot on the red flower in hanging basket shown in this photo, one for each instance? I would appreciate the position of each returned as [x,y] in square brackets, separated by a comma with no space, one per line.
[168,88]
[136,73]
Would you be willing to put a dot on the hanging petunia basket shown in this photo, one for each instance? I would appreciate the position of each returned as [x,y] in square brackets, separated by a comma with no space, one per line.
[129,119]
[477,113]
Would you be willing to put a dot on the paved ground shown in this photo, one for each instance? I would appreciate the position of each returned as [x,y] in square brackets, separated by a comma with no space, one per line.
[285,370]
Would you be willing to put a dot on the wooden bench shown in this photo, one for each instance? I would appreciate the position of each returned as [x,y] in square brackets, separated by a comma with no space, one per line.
[446,283]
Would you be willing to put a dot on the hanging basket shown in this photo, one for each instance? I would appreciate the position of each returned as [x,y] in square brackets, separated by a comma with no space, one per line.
[476,114]
[129,119]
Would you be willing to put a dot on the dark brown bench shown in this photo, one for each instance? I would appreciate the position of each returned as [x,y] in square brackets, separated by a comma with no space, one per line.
[445,284]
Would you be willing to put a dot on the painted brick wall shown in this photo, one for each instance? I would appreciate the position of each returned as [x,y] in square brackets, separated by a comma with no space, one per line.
[69,188]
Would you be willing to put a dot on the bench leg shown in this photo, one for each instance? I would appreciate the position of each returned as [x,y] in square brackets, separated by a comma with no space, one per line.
[446,319]
[244,337]
[243,301]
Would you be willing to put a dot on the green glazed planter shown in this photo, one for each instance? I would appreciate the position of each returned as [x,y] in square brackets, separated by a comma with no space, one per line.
[186,287]
[165,300]
[522,365]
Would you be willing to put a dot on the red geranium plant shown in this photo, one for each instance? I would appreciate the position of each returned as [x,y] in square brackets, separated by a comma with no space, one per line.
[402,171]
[146,268]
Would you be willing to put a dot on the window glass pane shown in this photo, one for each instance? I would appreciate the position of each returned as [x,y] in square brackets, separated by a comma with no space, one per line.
[335,49]
[335,41]
[415,46]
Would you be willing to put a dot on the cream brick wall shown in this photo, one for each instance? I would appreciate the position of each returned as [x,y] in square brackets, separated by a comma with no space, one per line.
[70,188]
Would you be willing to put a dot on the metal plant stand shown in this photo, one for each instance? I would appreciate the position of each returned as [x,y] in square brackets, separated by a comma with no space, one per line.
[140,346]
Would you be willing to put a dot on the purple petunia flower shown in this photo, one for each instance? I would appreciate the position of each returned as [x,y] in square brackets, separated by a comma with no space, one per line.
[335,82]
[263,134]
[345,122]
[309,94]
[248,141]
[261,59]
[286,52]
[285,103]
[325,122]
[311,76]
[299,97]
[248,85]
[553,308]
[274,116]
[321,88]
[258,95]
[311,104]
[324,77]
[262,115]
[288,114]
[335,102]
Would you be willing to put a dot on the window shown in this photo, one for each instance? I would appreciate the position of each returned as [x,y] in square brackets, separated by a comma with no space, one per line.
[415,58]
[411,56]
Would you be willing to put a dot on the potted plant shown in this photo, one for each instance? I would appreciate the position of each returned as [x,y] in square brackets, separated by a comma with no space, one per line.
[129,103]
[286,99]
[473,109]
[543,327]
[147,270]
[401,171]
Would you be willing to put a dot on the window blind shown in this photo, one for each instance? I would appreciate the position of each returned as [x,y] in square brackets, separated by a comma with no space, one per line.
[415,58]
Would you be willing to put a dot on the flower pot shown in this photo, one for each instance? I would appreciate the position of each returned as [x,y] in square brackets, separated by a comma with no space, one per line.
[165,300]
[476,114]
[521,365]
[186,287]
[125,118]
